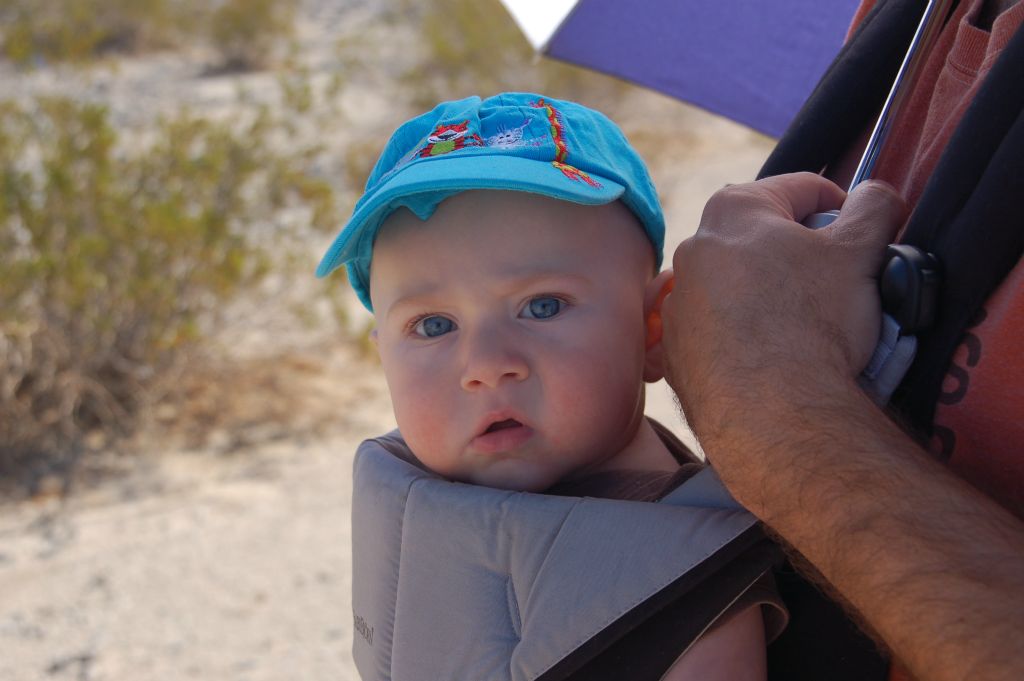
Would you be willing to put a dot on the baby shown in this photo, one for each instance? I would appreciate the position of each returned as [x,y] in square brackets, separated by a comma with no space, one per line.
[509,249]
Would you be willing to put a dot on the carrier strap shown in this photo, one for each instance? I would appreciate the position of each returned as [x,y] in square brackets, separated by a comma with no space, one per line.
[968,215]
[890,362]
[663,628]
[970,218]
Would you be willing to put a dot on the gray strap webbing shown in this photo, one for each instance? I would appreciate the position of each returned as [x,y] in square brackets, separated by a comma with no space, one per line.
[890,362]
[705,489]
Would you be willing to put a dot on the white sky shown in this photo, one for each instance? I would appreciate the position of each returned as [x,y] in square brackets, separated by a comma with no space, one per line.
[539,18]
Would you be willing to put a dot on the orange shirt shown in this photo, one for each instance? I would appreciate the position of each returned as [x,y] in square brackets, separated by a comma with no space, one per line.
[979,421]
[978,424]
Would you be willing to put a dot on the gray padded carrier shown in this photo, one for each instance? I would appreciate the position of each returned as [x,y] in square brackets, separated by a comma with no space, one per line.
[455,581]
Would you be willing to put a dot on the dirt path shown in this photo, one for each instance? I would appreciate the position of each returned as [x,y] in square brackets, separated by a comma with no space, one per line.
[197,566]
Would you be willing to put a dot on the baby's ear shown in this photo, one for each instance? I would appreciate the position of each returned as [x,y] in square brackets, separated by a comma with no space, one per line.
[654,295]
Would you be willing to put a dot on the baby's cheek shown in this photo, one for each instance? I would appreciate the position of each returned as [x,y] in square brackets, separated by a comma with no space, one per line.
[415,416]
[599,397]
[422,423]
[576,398]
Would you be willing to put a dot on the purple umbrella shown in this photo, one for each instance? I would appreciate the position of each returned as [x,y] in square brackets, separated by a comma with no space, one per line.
[754,61]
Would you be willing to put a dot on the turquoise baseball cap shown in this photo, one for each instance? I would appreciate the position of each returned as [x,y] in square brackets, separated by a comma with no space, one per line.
[514,141]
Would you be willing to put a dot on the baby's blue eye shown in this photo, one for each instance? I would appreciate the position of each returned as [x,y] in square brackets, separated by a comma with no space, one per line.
[434,326]
[543,307]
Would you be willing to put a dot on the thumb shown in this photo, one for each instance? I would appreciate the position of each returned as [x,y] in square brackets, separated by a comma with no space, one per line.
[871,216]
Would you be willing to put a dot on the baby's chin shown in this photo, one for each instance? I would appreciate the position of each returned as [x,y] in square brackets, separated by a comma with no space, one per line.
[514,475]
[528,470]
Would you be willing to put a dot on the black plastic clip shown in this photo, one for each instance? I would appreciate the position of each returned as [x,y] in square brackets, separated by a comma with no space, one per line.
[910,287]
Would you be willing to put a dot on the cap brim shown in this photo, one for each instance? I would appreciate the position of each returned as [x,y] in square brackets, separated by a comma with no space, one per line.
[452,174]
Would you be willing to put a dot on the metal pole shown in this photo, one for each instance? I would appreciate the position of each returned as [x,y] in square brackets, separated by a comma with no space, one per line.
[928,29]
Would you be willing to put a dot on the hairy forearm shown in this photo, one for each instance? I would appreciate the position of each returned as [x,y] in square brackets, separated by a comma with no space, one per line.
[932,565]
[766,329]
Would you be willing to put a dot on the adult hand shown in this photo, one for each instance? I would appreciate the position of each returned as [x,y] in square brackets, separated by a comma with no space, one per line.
[764,308]
[767,327]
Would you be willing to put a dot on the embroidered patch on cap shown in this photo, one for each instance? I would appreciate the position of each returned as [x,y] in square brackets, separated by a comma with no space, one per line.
[561,148]
[449,138]
[511,138]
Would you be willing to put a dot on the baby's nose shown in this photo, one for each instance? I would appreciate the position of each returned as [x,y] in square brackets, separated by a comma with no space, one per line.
[490,361]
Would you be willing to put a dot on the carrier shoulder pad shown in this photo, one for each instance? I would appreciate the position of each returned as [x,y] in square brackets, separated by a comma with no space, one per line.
[454,581]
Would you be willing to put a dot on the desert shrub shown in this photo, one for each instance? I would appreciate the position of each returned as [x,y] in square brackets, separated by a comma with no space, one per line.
[244,33]
[73,30]
[115,259]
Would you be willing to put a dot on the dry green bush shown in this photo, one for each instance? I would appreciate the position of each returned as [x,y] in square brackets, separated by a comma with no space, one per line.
[243,32]
[113,265]
[73,30]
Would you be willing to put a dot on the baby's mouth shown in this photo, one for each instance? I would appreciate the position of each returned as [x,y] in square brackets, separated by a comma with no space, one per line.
[502,425]
[502,436]
[503,433]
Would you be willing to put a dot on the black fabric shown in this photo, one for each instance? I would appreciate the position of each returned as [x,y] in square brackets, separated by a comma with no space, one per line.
[966,216]
[644,643]
[849,96]
[820,642]
[970,218]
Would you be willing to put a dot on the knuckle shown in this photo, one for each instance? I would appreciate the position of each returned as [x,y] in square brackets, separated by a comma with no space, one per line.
[683,252]
[875,193]
[728,194]
[808,176]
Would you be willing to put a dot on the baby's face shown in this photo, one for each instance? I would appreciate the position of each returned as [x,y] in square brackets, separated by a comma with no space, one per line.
[511,331]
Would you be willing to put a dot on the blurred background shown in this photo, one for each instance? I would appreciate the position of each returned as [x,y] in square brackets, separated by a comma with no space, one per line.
[180,399]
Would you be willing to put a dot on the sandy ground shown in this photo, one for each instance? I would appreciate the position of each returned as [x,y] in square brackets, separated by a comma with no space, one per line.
[194,564]
[197,564]
[239,572]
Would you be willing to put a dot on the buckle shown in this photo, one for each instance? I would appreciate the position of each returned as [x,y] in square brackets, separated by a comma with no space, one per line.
[910,287]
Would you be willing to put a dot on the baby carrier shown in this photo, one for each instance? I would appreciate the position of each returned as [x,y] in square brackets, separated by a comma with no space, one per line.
[455,581]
